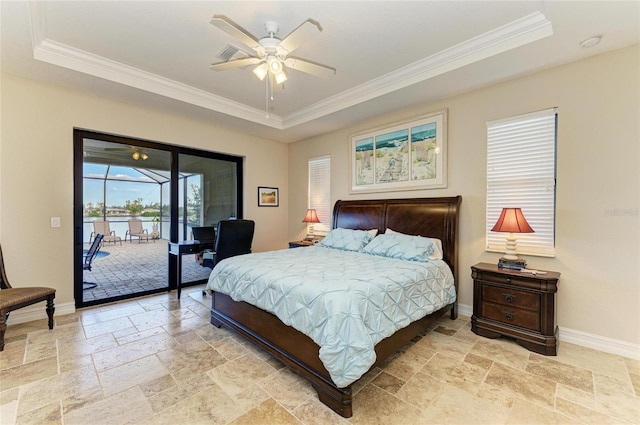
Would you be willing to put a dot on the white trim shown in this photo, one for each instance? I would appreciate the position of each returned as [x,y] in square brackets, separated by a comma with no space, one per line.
[38,312]
[465,310]
[518,33]
[600,343]
[69,57]
[522,31]
[583,339]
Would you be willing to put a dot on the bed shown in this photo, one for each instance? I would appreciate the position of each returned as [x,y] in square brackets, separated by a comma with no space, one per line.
[432,217]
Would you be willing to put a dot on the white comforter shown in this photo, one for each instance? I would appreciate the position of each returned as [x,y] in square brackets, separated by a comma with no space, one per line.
[345,301]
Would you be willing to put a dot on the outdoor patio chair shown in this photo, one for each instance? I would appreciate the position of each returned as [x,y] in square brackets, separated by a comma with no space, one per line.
[89,257]
[136,229]
[102,227]
[15,298]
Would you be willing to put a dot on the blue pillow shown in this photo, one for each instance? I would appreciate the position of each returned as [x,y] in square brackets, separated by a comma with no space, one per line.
[403,247]
[346,239]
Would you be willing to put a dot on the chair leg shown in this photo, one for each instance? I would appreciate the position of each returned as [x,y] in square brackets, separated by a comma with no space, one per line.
[50,309]
[3,327]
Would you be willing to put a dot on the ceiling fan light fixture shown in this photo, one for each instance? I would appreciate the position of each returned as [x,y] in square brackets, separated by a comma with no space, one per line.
[275,65]
[261,71]
[281,77]
[144,156]
[135,155]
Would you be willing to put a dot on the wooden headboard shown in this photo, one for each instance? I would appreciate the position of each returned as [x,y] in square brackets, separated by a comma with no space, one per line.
[431,217]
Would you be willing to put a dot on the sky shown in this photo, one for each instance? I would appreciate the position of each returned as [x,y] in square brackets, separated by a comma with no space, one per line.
[130,186]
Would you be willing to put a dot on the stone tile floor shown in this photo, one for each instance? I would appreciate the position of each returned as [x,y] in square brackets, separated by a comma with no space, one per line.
[133,267]
[157,360]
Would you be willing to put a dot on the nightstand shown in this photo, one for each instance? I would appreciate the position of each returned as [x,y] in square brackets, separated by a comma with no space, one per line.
[516,304]
[298,244]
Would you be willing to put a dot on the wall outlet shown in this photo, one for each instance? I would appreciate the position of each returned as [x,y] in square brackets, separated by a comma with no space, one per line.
[55,221]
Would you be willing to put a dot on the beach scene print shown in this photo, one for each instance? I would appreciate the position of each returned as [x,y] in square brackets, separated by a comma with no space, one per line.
[364,161]
[424,152]
[401,156]
[392,157]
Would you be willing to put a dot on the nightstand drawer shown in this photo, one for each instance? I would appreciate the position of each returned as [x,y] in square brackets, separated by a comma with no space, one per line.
[507,279]
[513,316]
[511,297]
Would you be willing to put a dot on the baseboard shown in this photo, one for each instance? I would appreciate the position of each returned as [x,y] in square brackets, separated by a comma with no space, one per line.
[465,310]
[600,343]
[584,339]
[37,312]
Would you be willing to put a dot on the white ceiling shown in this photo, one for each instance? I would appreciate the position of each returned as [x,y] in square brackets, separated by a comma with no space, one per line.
[388,54]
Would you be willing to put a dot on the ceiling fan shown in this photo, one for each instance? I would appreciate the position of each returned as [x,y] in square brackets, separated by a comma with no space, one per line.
[136,152]
[271,54]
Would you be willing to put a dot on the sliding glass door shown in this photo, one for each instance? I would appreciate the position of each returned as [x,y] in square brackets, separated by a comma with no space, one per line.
[207,193]
[139,195]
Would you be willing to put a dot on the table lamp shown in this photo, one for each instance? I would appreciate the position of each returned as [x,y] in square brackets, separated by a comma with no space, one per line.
[512,221]
[310,218]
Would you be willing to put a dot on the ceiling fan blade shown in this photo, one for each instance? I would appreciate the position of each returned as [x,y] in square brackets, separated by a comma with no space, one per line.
[237,63]
[305,32]
[234,30]
[310,67]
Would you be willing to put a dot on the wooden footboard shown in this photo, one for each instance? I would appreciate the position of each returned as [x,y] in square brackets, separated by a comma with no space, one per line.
[298,351]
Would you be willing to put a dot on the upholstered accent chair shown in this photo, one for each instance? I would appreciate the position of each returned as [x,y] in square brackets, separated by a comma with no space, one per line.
[15,298]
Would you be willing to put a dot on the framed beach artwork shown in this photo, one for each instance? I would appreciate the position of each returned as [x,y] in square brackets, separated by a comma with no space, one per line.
[408,155]
[268,197]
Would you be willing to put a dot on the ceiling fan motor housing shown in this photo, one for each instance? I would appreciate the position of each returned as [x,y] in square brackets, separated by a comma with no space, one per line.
[272,28]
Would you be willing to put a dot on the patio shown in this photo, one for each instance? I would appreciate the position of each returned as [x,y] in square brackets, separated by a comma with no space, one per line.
[135,267]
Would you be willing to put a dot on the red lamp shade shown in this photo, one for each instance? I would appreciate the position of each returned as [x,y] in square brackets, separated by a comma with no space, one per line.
[512,220]
[311,217]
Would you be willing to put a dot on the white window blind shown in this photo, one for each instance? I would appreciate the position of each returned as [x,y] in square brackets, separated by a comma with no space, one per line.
[320,191]
[521,172]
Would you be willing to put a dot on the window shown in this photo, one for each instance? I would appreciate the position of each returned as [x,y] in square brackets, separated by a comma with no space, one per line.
[320,191]
[521,172]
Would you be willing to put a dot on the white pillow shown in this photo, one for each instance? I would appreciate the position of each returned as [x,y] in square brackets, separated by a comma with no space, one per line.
[437,246]
[373,233]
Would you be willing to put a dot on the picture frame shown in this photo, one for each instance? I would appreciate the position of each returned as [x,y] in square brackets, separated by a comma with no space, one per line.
[406,155]
[268,196]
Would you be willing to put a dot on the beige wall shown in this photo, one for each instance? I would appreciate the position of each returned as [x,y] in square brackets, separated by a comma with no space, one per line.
[598,161]
[36,172]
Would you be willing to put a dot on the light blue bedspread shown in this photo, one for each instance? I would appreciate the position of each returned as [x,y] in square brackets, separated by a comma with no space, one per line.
[345,301]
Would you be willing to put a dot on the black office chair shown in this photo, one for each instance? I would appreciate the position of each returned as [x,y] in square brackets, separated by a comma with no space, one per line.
[234,237]
[206,235]
[89,257]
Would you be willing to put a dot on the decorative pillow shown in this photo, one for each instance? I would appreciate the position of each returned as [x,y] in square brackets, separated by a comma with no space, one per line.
[403,247]
[346,239]
[437,246]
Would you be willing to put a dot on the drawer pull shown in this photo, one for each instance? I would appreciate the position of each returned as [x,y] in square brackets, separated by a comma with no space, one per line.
[508,280]
[509,297]
[507,315]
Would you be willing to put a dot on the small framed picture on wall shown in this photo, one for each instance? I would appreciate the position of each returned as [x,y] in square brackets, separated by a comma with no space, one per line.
[268,196]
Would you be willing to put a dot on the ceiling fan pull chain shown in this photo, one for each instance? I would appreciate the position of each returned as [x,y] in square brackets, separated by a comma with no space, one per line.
[266,95]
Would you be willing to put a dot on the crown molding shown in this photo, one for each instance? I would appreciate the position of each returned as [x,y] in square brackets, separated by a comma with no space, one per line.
[78,60]
[514,34]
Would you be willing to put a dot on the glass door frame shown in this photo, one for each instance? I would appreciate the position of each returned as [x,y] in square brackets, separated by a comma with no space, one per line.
[78,160]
